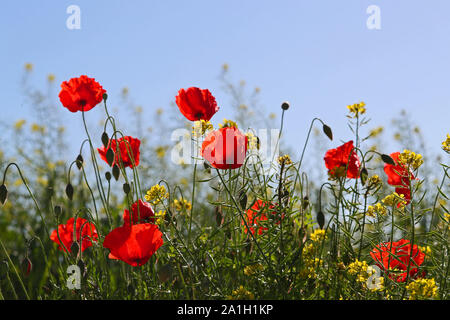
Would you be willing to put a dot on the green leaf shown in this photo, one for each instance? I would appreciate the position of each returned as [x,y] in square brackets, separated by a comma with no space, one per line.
[3,194]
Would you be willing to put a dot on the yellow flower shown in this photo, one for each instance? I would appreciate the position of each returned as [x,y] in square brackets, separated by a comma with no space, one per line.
[377,208]
[272,115]
[393,199]
[19,124]
[357,108]
[37,128]
[318,235]
[159,111]
[285,160]
[28,67]
[361,270]
[375,132]
[241,294]
[228,123]
[160,215]
[446,144]
[253,143]
[426,250]
[138,109]
[125,91]
[375,181]
[422,289]
[156,194]
[410,159]
[253,269]
[200,127]
[160,152]
[397,136]
[225,67]
[50,77]
[182,204]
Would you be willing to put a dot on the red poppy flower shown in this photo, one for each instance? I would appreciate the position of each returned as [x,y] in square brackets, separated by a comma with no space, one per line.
[255,215]
[133,244]
[81,94]
[394,259]
[225,148]
[196,104]
[398,175]
[145,213]
[127,144]
[88,234]
[336,161]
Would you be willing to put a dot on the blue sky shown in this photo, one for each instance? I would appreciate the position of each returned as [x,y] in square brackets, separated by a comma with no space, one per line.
[319,55]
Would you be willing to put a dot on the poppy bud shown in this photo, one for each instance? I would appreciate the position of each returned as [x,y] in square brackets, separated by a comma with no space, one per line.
[74,248]
[105,96]
[79,161]
[126,188]
[320,219]
[116,172]
[105,139]
[57,211]
[69,191]
[285,105]
[108,175]
[327,131]
[3,194]
[26,266]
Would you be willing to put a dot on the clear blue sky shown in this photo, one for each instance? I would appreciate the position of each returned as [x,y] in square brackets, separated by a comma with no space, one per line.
[319,55]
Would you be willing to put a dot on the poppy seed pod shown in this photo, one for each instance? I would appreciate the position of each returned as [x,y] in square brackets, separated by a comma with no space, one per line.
[285,105]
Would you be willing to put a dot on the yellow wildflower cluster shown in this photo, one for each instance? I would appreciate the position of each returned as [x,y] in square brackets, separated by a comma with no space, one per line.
[228,123]
[37,128]
[156,194]
[310,266]
[182,204]
[361,269]
[375,132]
[422,289]
[160,215]
[200,127]
[375,181]
[425,249]
[410,159]
[357,108]
[318,235]
[253,143]
[241,294]
[393,199]
[253,269]
[160,152]
[28,67]
[50,77]
[285,160]
[19,124]
[446,144]
[377,208]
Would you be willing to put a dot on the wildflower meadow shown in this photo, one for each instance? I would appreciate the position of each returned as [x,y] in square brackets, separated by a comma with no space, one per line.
[221,212]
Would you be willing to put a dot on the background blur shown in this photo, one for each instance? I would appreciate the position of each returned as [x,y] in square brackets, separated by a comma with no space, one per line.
[319,55]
